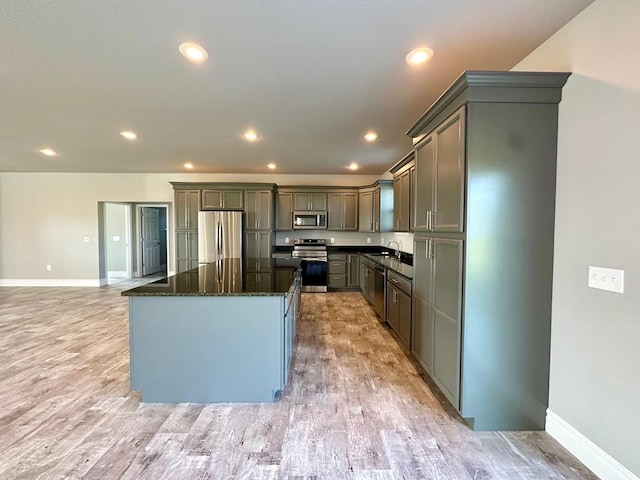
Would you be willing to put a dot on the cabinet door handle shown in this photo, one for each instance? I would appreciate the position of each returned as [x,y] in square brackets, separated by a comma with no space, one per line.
[394,280]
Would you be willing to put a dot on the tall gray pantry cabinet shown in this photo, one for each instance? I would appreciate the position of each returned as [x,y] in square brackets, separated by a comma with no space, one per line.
[485,167]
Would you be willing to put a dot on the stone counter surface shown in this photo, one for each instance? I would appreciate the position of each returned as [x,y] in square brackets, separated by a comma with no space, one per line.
[390,263]
[227,277]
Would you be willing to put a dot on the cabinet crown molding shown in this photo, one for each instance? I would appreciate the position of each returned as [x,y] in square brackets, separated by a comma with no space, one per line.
[488,86]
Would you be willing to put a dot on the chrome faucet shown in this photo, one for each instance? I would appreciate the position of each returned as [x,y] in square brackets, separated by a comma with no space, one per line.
[397,249]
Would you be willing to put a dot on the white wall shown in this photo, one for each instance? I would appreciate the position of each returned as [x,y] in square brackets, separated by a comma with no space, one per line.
[45,216]
[595,346]
[116,237]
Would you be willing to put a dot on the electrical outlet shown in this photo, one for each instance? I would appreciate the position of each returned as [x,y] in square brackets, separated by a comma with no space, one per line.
[86,239]
[368,239]
[286,239]
[608,279]
[48,268]
[333,240]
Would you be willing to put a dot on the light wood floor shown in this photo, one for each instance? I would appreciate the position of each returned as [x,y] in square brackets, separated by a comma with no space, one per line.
[355,406]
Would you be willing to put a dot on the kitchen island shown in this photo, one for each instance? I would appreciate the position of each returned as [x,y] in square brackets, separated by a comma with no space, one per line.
[222,332]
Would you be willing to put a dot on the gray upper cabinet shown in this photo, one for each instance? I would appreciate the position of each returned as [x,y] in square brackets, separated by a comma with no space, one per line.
[310,201]
[449,178]
[222,199]
[343,211]
[187,206]
[366,212]
[258,209]
[423,195]
[284,215]
[439,192]
[483,249]
[376,207]
[401,201]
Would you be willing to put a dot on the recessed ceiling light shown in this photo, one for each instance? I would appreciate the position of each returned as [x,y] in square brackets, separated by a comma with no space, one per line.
[188,165]
[48,152]
[371,136]
[129,135]
[353,166]
[250,136]
[193,52]
[419,56]
[272,166]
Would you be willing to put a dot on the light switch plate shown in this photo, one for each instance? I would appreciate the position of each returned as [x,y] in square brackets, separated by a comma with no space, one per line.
[608,279]
[86,239]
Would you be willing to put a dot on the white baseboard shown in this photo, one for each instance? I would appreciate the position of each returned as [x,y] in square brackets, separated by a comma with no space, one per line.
[596,459]
[51,282]
[117,274]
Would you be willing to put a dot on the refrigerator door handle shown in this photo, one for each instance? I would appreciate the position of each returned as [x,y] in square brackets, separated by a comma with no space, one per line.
[219,242]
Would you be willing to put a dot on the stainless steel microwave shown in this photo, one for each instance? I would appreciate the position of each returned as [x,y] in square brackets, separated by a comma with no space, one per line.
[309,220]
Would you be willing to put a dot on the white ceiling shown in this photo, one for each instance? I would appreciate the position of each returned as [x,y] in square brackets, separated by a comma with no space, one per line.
[311,76]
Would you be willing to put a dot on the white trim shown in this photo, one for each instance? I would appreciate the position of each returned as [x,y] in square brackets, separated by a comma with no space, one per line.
[594,457]
[117,274]
[51,282]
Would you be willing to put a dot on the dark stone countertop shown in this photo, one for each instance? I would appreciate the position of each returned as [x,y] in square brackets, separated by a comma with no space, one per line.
[390,263]
[228,277]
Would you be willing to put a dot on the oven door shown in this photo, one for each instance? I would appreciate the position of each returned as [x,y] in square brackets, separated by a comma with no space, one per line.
[314,274]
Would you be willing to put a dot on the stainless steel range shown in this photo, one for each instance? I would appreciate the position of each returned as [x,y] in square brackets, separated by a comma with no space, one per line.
[313,262]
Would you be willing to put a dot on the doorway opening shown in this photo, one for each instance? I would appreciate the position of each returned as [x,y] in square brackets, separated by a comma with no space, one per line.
[152,240]
[116,242]
[133,242]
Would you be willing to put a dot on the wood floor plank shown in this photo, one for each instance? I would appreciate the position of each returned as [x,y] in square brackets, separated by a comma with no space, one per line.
[356,406]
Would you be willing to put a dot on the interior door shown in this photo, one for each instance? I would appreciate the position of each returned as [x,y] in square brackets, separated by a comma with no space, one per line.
[150,240]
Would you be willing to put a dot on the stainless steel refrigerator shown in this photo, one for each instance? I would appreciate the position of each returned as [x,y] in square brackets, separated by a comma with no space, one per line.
[219,235]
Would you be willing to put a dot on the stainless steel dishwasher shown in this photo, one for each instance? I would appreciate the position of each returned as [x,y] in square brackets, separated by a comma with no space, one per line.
[379,282]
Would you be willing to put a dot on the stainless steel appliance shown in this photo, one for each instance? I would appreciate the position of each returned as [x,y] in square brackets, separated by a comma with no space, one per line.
[309,220]
[379,280]
[313,263]
[219,235]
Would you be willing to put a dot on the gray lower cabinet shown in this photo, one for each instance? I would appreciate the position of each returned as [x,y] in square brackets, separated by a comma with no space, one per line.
[186,250]
[343,270]
[337,271]
[219,199]
[398,314]
[438,309]
[284,211]
[353,270]
[342,211]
